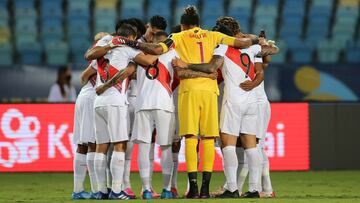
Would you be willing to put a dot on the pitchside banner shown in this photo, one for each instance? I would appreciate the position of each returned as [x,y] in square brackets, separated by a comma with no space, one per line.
[38,137]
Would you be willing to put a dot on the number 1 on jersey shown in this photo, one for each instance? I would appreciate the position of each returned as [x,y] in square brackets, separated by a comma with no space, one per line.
[201,51]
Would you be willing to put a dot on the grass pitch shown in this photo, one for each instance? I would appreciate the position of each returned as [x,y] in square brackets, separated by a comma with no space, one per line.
[325,186]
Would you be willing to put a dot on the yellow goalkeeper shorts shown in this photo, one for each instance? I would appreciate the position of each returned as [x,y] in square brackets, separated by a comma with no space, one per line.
[198,113]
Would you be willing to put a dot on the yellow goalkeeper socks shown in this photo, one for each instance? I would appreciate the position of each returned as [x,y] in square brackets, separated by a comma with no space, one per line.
[208,154]
[191,154]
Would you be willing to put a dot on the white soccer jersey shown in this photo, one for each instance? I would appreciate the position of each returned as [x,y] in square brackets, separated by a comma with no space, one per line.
[118,59]
[260,92]
[132,92]
[88,88]
[239,66]
[156,93]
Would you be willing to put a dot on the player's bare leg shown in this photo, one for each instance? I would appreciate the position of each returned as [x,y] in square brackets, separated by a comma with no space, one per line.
[90,156]
[80,172]
[230,162]
[100,163]
[249,142]
[117,166]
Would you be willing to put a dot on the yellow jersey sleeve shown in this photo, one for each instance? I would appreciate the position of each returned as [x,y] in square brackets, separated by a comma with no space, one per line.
[223,39]
[174,38]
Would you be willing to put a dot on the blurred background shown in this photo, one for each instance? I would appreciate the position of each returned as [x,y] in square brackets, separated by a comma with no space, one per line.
[319,41]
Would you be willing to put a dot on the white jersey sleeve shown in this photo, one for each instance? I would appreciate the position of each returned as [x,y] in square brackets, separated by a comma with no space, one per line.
[220,50]
[257,51]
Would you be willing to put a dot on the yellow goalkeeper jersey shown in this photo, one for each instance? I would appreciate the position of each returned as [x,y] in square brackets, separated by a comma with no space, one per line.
[196,46]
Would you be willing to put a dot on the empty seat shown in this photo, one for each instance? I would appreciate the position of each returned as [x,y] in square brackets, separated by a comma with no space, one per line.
[52,34]
[213,8]
[25,13]
[57,53]
[30,52]
[134,8]
[79,4]
[105,13]
[281,56]
[328,51]
[5,34]
[107,4]
[162,8]
[6,54]
[352,54]
[24,3]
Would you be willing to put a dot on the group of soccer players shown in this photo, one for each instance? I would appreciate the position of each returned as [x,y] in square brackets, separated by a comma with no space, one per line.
[130,96]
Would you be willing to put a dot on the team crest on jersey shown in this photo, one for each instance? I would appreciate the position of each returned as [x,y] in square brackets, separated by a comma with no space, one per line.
[152,71]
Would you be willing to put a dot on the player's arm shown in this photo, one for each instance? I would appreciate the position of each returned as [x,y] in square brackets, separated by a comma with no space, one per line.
[266,61]
[145,60]
[86,74]
[97,52]
[259,77]
[211,67]
[188,73]
[118,77]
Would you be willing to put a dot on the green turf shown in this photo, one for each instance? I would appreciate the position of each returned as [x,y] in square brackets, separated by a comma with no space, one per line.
[334,186]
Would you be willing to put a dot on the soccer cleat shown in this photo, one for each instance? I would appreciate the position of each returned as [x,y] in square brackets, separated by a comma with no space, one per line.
[166,194]
[228,194]
[102,196]
[193,192]
[130,193]
[175,192]
[155,194]
[249,194]
[80,195]
[204,192]
[93,195]
[122,195]
[267,195]
[147,194]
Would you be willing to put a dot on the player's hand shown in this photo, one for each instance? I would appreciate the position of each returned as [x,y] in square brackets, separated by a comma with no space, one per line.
[262,41]
[117,41]
[178,63]
[247,85]
[101,89]
[213,75]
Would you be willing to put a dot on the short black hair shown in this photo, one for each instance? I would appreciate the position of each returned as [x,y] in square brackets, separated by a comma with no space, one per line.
[190,16]
[158,22]
[223,29]
[126,30]
[139,24]
[160,34]
[119,23]
[176,29]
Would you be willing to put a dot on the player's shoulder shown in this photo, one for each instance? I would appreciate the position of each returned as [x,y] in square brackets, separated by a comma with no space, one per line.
[221,49]
[104,41]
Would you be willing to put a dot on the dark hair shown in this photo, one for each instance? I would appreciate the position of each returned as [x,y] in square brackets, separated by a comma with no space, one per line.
[135,22]
[140,26]
[61,70]
[158,22]
[223,29]
[160,34]
[126,30]
[230,22]
[176,29]
[190,16]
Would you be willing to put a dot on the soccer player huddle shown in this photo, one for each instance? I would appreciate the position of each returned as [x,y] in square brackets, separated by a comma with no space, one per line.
[143,86]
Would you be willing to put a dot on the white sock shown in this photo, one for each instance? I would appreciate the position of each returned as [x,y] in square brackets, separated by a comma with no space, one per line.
[243,168]
[117,170]
[144,165]
[152,151]
[100,171]
[175,170]
[266,181]
[79,172]
[91,169]
[166,166]
[128,156]
[108,171]
[230,167]
[254,160]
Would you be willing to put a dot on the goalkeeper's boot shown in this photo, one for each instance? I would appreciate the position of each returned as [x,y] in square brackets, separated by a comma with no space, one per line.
[254,194]
[228,194]
[204,191]
[80,195]
[193,192]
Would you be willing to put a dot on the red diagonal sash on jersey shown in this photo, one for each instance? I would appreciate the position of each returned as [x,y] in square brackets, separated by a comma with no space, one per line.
[107,71]
[164,77]
[234,56]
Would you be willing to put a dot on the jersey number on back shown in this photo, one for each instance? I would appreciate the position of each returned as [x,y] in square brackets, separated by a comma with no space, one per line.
[245,61]
[201,51]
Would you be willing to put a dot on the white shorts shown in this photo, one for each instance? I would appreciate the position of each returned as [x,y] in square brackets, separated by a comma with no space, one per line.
[111,124]
[239,118]
[147,120]
[84,130]
[131,109]
[263,119]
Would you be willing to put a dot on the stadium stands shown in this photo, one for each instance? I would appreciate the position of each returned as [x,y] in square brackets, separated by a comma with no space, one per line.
[318,26]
